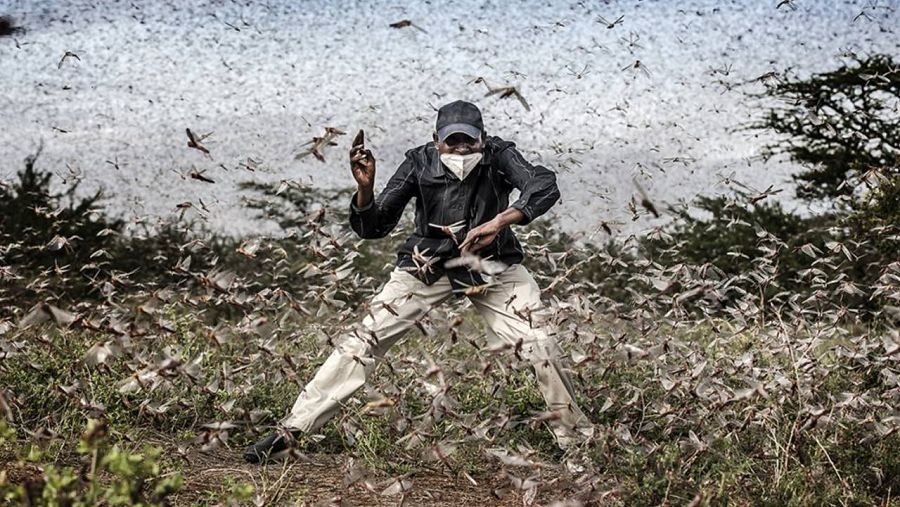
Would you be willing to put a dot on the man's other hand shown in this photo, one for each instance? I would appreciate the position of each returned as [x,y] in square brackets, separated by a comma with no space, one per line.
[485,233]
[481,236]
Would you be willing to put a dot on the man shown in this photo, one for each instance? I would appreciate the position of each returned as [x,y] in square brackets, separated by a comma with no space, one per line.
[461,183]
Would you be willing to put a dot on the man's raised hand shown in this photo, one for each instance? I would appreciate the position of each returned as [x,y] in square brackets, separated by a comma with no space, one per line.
[362,162]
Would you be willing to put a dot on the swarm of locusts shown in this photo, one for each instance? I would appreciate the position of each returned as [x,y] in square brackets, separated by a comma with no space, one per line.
[693,368]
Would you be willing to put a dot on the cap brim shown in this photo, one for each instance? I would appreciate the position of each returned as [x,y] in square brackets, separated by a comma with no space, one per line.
[454,128]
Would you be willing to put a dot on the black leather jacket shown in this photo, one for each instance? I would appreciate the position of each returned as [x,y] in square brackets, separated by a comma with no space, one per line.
[441,198]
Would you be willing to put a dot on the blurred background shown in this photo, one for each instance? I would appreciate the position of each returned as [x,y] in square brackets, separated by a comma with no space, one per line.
[658,91]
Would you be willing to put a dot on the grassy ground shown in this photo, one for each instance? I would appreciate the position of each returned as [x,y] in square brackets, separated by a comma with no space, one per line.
[702,413]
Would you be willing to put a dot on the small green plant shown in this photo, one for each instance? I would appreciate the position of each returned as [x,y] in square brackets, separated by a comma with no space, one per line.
[109,475]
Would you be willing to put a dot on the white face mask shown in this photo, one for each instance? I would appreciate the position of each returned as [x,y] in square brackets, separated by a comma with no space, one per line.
[461,165]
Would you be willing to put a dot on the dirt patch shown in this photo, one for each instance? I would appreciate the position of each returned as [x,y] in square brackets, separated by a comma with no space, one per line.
[22,473]
[213,475]
[221,477]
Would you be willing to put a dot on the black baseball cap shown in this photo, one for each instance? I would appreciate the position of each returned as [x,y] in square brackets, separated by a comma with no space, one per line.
[459,116]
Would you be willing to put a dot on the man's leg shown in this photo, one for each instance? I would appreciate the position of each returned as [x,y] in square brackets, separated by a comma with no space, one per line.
[513,311]
[353,360]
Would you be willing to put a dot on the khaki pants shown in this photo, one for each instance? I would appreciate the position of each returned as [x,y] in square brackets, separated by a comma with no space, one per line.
[505,309]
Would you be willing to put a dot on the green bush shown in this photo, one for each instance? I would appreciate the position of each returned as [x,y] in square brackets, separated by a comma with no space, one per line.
[109,475]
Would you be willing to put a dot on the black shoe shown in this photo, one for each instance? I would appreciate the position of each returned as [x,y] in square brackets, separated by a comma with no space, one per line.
[268,447]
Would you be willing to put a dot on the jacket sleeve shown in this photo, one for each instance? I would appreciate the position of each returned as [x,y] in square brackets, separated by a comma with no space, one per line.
[538,191]
[378,218]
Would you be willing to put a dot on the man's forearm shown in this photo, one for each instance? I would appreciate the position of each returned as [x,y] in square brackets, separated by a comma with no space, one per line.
[509,216]
[364,195]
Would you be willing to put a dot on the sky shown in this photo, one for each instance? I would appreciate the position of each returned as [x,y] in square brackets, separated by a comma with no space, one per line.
[659,92]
